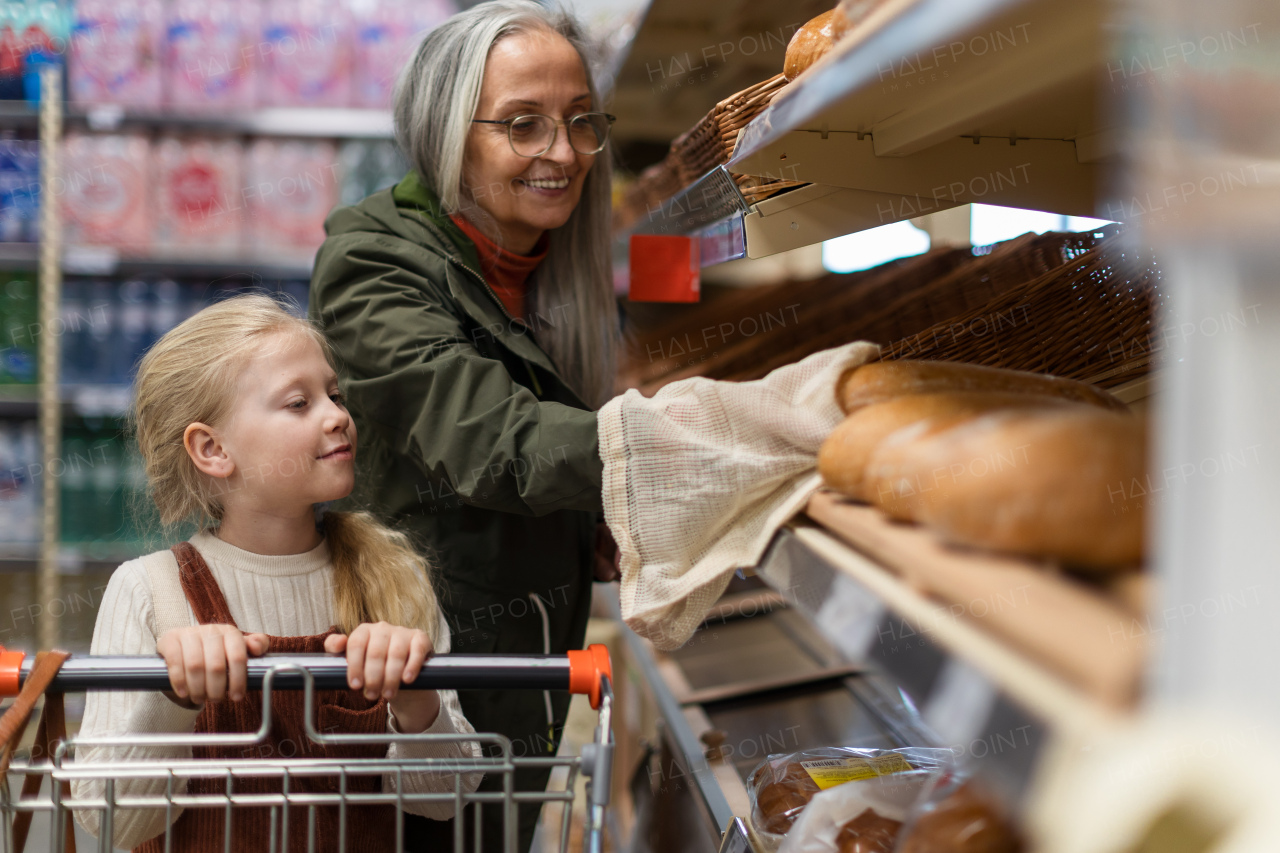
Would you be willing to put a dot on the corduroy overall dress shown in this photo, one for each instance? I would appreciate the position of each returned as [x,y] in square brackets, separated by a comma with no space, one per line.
[200,830]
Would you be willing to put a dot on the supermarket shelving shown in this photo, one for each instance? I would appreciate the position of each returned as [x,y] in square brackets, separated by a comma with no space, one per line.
[267,121]
[924,106]
[108,261]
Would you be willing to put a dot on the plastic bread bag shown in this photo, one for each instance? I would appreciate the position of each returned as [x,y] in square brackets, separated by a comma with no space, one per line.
[843,782]
[955,815]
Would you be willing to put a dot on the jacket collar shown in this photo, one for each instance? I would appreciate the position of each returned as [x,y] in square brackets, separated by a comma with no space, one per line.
[416,201]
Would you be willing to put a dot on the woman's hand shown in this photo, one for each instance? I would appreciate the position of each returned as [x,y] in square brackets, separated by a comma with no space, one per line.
[381,657]
[208,662]
[608,557]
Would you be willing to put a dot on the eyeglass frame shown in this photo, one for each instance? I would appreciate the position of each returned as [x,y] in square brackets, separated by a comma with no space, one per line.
[555,130]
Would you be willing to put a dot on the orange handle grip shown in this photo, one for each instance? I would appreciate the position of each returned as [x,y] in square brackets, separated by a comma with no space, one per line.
[587,667]
[10,669]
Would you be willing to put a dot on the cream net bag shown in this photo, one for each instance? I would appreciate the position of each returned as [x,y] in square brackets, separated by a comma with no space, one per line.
[698,478]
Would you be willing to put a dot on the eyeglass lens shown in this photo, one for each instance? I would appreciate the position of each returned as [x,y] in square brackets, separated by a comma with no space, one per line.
[534,135]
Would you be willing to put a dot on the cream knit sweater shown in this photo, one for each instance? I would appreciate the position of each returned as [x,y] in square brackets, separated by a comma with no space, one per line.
[285,596]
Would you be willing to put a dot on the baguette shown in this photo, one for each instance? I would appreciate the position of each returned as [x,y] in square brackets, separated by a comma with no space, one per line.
[812,41]
[878,381]
[1048,484]
[842,459]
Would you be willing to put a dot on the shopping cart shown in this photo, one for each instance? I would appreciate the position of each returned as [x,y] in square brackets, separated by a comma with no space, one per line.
[47,789]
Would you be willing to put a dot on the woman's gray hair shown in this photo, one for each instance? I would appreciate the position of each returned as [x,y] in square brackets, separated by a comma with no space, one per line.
[571,309]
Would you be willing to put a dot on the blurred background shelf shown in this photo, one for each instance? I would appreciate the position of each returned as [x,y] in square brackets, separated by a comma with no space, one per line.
[330,122]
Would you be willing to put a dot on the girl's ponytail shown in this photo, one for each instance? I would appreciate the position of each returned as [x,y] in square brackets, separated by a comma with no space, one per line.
[377,575]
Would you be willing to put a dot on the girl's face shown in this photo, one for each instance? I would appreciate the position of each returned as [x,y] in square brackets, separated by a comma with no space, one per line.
[534,72]
[289,441]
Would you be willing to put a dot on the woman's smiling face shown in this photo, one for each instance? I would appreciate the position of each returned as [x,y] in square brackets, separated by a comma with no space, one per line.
[533,72]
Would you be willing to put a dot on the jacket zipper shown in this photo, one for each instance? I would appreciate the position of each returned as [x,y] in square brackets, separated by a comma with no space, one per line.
[537,386]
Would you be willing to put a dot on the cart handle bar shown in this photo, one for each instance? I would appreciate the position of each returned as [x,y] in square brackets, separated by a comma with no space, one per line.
[577,671]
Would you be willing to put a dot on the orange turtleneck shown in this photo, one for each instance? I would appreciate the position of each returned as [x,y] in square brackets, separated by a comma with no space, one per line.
[507,272]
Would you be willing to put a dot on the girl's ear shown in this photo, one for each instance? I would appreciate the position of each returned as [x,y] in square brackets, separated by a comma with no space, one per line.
[206,451]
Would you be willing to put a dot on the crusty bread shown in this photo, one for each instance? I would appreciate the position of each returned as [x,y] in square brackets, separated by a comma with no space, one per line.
[842,459]
[812,41]
[878,381]
[1053,484]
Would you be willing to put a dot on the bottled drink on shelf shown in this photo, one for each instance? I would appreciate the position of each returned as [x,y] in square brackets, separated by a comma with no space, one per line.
[19,327]
[19,190]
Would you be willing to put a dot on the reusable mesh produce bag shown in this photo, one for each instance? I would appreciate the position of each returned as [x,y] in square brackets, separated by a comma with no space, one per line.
[699,477]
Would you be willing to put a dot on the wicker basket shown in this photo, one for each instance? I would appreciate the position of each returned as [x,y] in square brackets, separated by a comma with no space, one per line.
[1074,305]
[706,145]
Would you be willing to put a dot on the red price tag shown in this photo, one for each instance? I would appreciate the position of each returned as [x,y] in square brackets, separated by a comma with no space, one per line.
[665,269]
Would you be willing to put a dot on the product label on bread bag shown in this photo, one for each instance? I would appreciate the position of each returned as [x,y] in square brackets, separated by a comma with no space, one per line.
[829,772]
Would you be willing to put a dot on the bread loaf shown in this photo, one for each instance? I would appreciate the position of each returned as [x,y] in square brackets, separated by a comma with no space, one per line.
[842,459]
[878,381]
[812,41]
[781,799]
[869,832]
[962,823]
[1052,484]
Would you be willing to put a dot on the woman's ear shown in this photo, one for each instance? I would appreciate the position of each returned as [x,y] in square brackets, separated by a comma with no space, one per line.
[206,451]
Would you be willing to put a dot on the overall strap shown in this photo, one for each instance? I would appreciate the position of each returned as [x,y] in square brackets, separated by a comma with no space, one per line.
[51,730]
[201,588]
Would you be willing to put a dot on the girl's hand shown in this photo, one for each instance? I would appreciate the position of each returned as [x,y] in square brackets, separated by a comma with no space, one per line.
[381,657]
[209,662]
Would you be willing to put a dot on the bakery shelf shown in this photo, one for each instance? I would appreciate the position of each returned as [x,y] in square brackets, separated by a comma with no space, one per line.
[928,105]
[971,688]
[109,261]
[275,121]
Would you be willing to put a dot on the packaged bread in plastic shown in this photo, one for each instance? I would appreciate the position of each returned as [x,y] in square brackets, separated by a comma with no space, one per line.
[858,797]
[955,816]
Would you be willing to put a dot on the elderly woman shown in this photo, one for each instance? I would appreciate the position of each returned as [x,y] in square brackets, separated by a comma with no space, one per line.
[472,308]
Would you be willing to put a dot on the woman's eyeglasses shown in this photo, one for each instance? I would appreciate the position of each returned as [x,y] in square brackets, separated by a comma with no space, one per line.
[533,135]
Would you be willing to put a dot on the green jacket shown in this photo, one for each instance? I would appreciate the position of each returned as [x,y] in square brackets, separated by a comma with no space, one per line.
[468,439]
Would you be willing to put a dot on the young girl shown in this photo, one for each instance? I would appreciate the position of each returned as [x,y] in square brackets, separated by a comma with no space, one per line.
[243,430]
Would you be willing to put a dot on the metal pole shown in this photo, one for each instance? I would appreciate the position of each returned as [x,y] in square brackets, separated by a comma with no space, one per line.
[50,417]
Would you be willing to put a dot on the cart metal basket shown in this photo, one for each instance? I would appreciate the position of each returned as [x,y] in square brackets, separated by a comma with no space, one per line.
[161,784]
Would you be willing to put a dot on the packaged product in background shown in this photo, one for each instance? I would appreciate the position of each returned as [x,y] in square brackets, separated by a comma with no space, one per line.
[956,814]
[100,340]
[167,308]
[369,166]
[32,34]
[75,492]
[386,34]
[299,293]
[291,186]
[19,190]
[306,54]
[19,327]
[116,53]
[133,328]
[198,202]
[836,799]
[105,193]
[19,486]
[210,55]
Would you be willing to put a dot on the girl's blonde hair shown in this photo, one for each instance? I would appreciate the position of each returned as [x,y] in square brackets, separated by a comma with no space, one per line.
[190,376]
